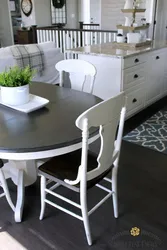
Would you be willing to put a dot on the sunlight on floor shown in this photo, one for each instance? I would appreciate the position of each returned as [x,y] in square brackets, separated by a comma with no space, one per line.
[7,242]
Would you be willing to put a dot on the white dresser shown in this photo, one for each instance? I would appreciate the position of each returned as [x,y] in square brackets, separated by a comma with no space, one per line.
[144,80]
[141,74]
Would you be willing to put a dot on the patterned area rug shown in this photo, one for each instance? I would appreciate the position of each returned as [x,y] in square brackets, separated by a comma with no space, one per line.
[152,133]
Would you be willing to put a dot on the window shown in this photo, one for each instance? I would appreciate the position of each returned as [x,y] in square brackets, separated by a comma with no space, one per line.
[59,12]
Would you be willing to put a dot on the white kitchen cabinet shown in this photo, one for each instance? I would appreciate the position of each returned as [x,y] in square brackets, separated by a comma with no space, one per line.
[133,61]
[135,99]
[142,76]
[134,76]
[164,91]
[108,77]
[155,76]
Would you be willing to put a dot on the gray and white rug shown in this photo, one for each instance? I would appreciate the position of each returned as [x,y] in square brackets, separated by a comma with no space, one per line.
[152,133]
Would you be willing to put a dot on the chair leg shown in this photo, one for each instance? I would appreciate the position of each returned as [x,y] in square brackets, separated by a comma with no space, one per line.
[6,190]
[114,189]
[84,210]
[43,196]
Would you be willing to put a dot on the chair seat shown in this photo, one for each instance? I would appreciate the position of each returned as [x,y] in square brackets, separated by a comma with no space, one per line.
[66,167]
[1,164]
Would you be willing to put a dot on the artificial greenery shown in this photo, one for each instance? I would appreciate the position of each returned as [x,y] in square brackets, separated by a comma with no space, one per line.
[16,77]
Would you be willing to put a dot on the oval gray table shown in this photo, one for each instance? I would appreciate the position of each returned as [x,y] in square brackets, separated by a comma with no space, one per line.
[44,133]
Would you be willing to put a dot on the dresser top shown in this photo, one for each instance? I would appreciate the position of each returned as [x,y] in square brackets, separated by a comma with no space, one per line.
[110,51]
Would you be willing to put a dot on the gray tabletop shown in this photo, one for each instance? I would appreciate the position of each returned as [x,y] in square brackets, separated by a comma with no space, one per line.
[48,128]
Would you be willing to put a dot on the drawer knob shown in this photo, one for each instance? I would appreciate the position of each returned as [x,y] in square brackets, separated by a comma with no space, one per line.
[157,57]
[136,76]
[136,60]
[134,100]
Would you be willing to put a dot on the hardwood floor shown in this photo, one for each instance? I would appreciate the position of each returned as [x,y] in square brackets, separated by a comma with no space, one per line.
[142,185]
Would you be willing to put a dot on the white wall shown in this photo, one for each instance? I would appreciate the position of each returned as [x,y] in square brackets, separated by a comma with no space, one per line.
[106,12]
[72,14]
[43,12]
[79,11]
[95,11]
[40,16]
[6,33]
[111,14]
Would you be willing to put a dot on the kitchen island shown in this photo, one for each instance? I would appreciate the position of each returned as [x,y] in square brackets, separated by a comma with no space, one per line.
[141,73]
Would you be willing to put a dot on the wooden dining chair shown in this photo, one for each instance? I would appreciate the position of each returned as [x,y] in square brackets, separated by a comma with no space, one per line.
[81,170]
[4,186]
[81,73]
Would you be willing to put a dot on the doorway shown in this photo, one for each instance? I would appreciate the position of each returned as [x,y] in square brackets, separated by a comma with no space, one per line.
[15,11]
[160,26]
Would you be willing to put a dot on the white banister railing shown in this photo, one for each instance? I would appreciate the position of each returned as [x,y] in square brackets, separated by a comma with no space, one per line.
[73,38]
[91,26]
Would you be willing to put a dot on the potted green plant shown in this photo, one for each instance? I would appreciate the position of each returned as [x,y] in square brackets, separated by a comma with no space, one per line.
[15,85]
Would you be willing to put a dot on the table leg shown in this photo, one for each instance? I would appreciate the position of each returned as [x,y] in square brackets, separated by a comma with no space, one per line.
[29,168]
[22,173]
[20,197]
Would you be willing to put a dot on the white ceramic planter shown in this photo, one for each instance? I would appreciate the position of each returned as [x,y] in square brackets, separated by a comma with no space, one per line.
[120,39]
[134,37]
[15,95]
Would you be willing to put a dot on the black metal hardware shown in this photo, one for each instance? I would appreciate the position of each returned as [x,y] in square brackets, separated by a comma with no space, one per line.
[136,76]
[136,60]
[134,100]
[157,57]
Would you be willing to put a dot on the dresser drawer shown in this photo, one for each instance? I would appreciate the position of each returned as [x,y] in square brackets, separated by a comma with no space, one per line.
[134,76]
[134,60]
[136,99]
[157,60]
[157,53]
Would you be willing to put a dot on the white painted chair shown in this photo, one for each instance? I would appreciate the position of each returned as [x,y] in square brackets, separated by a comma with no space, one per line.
[4,185]
[80,170]
[79,71]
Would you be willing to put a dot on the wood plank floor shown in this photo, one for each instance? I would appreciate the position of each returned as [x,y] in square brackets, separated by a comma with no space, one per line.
[142,184]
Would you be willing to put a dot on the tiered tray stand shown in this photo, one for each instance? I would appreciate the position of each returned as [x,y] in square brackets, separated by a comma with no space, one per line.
[133,29]
[131,45]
